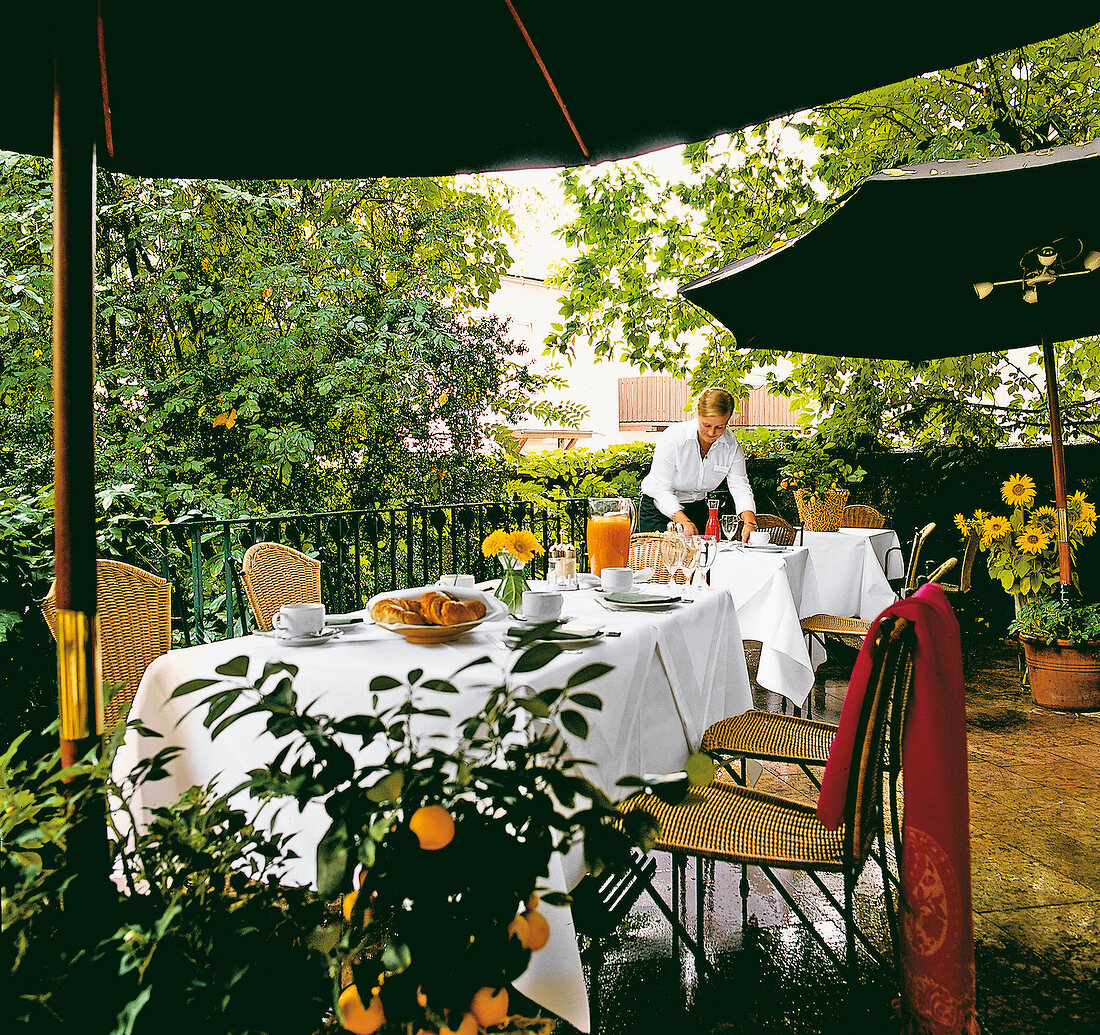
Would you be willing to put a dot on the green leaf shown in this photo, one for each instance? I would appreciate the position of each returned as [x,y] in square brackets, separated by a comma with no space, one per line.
[588,673]
[700,769]
[584,700]
[536,657]
[332,859]
[388,789]
[380,683]
[237,666]
[535,705]
[191,686]
[575,723]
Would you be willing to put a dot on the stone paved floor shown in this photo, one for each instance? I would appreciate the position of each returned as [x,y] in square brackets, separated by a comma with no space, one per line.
[1035,822]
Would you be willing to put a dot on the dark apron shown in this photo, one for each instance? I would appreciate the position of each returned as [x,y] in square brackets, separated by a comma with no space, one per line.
[650,519]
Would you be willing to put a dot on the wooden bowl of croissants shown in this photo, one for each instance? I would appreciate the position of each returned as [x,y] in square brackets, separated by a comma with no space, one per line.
[433,614]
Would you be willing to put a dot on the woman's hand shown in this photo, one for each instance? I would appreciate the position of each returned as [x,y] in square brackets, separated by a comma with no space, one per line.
[748,524]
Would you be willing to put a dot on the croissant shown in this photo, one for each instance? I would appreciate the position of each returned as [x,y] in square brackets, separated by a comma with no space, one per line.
[396,611]
[443,609]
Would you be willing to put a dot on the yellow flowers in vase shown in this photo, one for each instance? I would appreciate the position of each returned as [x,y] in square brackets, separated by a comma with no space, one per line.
[514,550]
[1022,548]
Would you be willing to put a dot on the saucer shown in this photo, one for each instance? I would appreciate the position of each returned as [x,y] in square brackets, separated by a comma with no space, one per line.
[303,639]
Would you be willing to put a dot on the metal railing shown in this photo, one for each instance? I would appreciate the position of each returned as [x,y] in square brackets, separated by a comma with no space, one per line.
[362,552]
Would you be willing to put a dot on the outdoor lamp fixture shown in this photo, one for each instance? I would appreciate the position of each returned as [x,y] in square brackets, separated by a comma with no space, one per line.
[1045,265]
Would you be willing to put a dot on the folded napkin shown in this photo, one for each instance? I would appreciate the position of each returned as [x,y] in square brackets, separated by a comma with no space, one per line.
[641,598]
[937,924]
[516,632]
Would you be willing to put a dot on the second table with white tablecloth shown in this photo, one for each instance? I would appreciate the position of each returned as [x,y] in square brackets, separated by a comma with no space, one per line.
[773,589]
[674,672]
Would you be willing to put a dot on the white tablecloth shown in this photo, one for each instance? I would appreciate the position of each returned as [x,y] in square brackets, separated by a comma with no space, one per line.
[849,578]
[837,573]
[675,672]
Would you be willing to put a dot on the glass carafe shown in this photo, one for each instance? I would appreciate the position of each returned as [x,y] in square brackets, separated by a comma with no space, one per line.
[712,531]
[611,519]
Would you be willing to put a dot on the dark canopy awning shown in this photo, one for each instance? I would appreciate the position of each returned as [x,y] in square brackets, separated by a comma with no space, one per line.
[349,88]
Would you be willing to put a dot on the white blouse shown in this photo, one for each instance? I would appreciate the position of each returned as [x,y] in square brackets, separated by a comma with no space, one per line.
[680,475]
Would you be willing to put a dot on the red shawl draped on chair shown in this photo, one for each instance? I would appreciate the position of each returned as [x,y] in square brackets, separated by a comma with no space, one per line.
[937,932]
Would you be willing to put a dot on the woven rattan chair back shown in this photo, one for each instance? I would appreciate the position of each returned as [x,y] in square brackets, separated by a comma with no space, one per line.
[782,531]
[134,614]
[273,575]
[645,552]
[859,515]
[969,555]
[878,740]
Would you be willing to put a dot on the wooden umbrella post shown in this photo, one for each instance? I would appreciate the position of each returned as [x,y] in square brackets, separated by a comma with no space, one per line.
[79,691]
[1065,575]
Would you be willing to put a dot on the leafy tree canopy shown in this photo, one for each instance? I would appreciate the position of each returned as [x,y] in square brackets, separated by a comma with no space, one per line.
[639,238]
[279,345]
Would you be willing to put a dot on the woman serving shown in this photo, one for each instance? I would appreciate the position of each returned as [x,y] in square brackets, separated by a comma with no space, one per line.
[690,460]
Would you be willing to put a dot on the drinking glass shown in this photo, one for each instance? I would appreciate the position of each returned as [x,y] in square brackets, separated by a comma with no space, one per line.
[674,555]
[729,525]
[706,553]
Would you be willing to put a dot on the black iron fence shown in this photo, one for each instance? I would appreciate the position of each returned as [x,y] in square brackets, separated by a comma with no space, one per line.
[362,552]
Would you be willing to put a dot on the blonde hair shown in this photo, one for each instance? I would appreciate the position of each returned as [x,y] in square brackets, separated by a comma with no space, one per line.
[714,402]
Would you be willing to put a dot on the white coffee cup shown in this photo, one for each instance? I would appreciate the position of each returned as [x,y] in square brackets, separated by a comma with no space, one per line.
[457,580]
[541,606]
[617,580]
[760,538]
[299,619]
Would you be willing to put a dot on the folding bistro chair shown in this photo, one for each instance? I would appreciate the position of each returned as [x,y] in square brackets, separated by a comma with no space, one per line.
[727,822]
[134,613]
[273,575]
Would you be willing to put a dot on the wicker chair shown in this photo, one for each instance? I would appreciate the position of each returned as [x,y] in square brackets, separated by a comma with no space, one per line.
[134,613]
[970,553]
[858,515]
[728,822]
[783,532]
[273,575]
[645,552]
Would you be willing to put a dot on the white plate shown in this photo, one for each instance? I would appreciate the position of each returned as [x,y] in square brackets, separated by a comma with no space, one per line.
[440,633]
[305,640]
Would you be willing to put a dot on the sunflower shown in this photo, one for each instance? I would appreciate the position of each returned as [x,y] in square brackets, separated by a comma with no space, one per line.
[523,546]
[1045,518]
[962,525]
[1019,491]
[495,542]
[994,528]
[1032,540]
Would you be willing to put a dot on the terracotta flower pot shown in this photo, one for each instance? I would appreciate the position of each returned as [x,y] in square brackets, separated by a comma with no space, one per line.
[1064,676]
[821,511]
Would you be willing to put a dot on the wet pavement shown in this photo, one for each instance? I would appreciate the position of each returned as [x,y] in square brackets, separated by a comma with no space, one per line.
[1035,834]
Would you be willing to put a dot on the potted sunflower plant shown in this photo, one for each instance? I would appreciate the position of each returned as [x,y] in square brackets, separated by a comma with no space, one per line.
[1060,639]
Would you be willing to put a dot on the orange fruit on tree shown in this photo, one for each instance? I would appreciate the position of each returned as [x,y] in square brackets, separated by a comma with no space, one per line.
[490,1006]
[538,930]
[349,904]
[434,827]
[519,928]
[360,1019]
[468,1026]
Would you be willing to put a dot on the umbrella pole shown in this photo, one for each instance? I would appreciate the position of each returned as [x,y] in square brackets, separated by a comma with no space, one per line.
[1053,409]
[78,678]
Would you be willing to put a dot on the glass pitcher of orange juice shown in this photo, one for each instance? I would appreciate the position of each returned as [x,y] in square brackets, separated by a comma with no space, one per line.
[610,522]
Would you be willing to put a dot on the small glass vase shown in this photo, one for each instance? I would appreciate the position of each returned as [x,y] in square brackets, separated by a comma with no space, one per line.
[512,583]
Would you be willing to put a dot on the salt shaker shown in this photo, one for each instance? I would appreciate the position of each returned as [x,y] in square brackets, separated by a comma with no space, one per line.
[563,566]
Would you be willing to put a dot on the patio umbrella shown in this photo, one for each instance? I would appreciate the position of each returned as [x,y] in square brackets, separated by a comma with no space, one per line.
[927,261]
[346,88]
